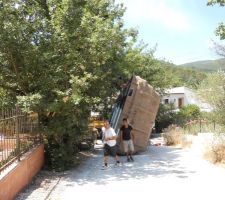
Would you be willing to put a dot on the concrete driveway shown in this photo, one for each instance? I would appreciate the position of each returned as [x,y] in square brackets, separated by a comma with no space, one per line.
[159,173]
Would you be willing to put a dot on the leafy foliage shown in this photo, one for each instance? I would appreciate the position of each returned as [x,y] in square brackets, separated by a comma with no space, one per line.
[5,99]
[212,91]
[220,31]
[187,113]
[140,61]
[165,117]
[185,77]
[213,2]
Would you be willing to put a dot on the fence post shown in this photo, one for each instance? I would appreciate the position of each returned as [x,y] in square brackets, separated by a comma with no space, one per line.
[17,136]
[200,125]
[38,129]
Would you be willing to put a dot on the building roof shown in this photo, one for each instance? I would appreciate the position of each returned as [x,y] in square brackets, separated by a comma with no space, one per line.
[177,90]
[191,97]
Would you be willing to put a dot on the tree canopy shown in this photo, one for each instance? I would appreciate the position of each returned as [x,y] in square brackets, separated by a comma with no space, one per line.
[212,91]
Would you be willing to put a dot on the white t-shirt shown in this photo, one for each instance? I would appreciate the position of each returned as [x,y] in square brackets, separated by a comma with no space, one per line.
[109,133]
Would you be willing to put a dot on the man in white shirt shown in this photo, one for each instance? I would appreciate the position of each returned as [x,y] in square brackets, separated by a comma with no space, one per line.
[110,148]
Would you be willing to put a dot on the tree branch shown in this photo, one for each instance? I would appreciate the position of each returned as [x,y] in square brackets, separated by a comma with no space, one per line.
[12,89]
[44,5]
[213,2]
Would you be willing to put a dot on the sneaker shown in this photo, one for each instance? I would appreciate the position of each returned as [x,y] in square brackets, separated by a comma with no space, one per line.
[131,158]
[105,167]
[118,164]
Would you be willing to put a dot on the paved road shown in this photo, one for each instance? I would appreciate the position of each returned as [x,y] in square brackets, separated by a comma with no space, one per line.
[160,173]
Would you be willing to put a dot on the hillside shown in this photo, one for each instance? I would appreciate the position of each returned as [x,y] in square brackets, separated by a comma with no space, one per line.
[206,65]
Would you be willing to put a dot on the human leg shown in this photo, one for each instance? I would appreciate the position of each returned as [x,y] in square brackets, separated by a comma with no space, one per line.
[113,153]
[131,150]
[106,155]
[106,158]
[126,150]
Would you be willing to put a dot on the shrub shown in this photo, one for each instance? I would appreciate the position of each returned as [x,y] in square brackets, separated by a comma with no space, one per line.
[216,151]
[174,136]
[187,113]
[165,117]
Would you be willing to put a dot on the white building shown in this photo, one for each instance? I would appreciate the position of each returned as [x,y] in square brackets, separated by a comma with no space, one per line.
[182,96]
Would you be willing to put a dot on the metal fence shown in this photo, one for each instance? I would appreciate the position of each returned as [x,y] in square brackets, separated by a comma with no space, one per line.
[203,126]
[18,133]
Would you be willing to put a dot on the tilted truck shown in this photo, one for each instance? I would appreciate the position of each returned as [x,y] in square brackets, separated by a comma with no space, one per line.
[138,102]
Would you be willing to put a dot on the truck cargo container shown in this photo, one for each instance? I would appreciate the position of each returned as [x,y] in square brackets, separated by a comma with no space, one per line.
[138,102]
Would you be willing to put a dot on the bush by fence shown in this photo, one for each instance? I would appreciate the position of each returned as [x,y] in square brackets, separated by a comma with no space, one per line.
[174,136]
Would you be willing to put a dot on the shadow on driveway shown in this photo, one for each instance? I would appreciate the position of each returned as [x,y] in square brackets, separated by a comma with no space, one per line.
[157,162]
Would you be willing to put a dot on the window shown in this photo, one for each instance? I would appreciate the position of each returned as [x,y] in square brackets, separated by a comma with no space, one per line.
[166,101]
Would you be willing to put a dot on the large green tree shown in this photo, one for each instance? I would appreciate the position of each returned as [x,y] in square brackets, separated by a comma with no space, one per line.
[59,58]
[44,44]
[139,60]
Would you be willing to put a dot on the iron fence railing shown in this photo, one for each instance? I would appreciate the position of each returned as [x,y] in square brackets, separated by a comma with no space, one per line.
[18,133]
[203,126]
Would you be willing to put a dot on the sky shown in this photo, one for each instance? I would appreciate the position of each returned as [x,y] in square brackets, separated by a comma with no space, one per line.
[183,30]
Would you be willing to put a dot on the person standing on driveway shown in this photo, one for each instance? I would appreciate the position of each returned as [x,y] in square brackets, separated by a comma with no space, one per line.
[110,147]
[127,138]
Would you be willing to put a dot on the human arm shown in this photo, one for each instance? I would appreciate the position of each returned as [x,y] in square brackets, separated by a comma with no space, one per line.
[121,135]
[131,133]
[132,136]
[112,136]
[103,134]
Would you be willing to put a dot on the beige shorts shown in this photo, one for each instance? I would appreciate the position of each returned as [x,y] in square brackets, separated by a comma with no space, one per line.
[128,145]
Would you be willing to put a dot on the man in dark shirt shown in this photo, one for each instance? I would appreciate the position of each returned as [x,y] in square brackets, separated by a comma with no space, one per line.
[127,138]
